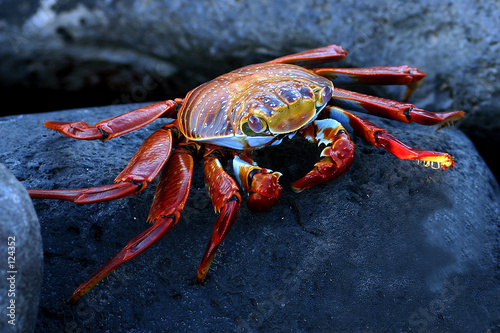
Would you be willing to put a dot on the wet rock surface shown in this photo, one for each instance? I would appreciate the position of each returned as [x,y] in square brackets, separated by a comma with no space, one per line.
[390,246]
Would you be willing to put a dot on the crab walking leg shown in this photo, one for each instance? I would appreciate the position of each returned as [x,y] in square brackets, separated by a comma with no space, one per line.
[336,157]
[390,109]
[260,184]
[314,56]
[169,200]
[226,199]
[380,138]
[140,171]
[113,127]
[381,75]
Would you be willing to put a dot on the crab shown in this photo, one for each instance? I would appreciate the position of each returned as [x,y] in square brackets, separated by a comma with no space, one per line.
[227,118]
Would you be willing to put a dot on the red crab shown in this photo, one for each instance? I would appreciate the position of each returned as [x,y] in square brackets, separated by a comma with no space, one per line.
[235,113]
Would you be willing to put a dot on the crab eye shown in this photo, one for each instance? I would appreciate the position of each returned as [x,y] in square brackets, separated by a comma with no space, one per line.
[256,124]
[323,95]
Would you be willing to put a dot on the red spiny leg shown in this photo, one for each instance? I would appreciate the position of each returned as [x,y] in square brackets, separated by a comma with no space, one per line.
[112,127]
[314,56]
[336,158]
[261,184]
[169,200]
[382,75]
[226,199]
[390,109]
[380,138]
[140,171]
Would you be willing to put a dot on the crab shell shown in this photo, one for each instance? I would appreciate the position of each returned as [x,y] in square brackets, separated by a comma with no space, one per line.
[253,106]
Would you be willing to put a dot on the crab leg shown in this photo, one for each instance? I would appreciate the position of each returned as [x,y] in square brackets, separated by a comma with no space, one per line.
[390,109]
[337,156]
[169,200]
[380,138]
[372,75]
[382,75]
[261,184]
[314,56]
[140,171]
[226,199]
[112,127]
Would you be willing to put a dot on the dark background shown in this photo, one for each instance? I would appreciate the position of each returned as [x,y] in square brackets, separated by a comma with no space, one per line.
[66,54]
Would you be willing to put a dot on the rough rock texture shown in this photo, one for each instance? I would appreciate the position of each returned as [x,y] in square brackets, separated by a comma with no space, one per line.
[22,263]
[133,48]
[390,246]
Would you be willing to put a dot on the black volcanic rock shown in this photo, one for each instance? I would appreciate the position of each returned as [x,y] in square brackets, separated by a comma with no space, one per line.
[390,246]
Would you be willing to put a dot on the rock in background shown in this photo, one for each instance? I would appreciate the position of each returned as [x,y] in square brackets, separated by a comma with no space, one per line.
[63,54]
[390,246]
[22,265]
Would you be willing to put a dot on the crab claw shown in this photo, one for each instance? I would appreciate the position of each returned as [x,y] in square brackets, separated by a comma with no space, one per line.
[336,160]
[336,157]
[264,192]
[261,184]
